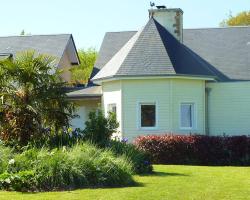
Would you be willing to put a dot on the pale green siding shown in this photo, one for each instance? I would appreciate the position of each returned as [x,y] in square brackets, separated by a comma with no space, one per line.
[189,91]
[83,107]
[112,95]
[229,108]
[145,91]
[168,94]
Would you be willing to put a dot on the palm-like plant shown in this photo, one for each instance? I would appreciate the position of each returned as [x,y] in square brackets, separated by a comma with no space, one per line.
[33,97]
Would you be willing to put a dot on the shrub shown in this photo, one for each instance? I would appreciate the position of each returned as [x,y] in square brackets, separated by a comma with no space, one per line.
[83,165]
[21,181]
[196,149]
[139,159]
[99,128]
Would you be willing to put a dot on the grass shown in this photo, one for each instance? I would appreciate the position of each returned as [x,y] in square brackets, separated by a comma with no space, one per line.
[168,182]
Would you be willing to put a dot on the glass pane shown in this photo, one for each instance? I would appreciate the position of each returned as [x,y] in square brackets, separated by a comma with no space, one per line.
[186,115]
[112,108]
[147,115]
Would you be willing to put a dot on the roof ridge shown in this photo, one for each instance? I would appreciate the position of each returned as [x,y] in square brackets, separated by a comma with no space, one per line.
[201,28]
[180,49]
[121,31]
[227,27]
[155,21]
[143,58]
[9,36]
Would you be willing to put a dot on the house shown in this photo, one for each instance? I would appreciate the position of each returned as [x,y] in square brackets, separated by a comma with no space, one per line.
[166,79]
[61,47]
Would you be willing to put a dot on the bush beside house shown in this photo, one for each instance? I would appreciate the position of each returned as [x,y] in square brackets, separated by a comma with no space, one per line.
[196,149]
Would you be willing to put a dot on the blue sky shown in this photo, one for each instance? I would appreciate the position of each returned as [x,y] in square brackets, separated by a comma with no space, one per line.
[88,20]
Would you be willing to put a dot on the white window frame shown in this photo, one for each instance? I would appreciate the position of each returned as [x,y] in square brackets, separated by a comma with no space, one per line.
[111,105]
[194,116]
[139,116]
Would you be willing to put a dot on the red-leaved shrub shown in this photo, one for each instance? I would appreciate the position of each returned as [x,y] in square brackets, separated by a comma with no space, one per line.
[196,149]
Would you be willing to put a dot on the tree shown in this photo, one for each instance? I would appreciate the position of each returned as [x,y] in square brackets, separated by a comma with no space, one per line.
[81,73]
[22,32]
[33,97]
[241,19]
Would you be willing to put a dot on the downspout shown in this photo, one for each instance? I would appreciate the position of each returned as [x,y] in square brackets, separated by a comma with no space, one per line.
[207,91]
[122,109]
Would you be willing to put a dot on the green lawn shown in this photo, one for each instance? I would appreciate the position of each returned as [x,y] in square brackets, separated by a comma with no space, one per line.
[168,182]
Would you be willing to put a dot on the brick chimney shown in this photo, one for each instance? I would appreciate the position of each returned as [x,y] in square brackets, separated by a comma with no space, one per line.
[170,18]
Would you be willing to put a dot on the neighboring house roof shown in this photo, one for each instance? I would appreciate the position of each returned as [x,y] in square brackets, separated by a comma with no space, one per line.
[88,92]
[54,45]
[223,52]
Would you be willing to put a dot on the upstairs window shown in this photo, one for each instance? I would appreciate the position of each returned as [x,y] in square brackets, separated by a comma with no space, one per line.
[112,108]
[187,119]
[147,115]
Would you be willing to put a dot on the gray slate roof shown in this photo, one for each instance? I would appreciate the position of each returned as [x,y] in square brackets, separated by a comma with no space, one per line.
[148,55]
[46,44]
[114,41]
[155,52]
[225,51]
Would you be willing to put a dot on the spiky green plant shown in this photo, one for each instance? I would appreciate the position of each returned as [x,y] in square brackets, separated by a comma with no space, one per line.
[33,98]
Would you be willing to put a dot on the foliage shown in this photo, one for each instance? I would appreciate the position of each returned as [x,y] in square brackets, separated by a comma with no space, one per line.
[100,128]
[33,99]
[196,149]
[22,32]
[81,73]
[20,181]
[241,19]
[5,156]
[98,131]
[83,165]
[138,158]
[52,140]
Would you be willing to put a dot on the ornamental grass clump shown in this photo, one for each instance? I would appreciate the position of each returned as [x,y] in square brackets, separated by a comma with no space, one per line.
[140,160]
[83,165]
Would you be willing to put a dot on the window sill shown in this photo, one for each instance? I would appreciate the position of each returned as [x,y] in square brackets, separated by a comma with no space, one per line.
[187,128]
[148,128]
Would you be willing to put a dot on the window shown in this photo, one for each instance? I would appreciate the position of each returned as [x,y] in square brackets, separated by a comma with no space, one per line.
[187,115]
[147,115]
[112,108]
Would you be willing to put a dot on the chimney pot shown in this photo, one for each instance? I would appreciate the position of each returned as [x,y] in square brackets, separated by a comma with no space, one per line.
[170,18]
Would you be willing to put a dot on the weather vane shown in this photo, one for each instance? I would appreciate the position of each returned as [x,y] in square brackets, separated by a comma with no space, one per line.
[152,4]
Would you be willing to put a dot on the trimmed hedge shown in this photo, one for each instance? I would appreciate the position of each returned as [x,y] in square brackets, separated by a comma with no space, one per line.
[196,149]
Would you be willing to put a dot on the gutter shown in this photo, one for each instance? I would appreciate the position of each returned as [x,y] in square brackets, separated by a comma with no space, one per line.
[79,98]
[10,55]
[152,76]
